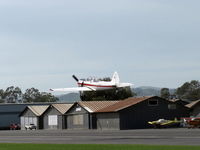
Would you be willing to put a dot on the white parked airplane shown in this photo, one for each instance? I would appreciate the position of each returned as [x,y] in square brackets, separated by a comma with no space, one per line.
[94,85]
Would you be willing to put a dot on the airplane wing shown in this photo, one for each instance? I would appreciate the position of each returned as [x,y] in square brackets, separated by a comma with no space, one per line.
[124,84]
[75,89]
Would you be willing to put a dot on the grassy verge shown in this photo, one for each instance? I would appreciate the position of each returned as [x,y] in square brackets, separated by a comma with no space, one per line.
[92,147]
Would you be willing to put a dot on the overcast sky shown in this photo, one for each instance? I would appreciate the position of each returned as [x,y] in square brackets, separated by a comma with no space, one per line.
[148,42]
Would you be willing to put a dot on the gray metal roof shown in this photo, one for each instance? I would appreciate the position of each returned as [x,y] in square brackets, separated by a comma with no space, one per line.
[62,108]
[38,110]
[192,104]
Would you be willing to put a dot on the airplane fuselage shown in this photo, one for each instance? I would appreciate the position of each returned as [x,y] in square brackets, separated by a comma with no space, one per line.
[100,85]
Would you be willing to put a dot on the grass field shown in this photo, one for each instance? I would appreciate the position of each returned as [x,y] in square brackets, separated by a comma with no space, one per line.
[92,147]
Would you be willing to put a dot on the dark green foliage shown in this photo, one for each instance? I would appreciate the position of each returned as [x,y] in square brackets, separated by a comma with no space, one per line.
[147,91]
[14,95]
[189,90]
[114,94]
[33,95]
[2,96]
[47,97]
[164,93]
[70,97]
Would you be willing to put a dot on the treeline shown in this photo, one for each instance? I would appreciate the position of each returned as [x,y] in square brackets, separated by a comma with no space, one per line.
[112,94]
[15,95]
[188,91]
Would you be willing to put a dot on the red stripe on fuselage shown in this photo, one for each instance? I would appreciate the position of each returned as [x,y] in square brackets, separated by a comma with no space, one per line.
[83,84]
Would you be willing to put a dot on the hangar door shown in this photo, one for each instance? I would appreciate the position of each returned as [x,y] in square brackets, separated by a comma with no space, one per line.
[53,121]
[27,121]
[78,121]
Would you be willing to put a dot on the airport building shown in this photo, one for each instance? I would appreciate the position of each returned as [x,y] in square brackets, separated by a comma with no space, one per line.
[33,115]
[131,113]
[54,118]
[134,113]
[9,113]
[82,115]
[194,108]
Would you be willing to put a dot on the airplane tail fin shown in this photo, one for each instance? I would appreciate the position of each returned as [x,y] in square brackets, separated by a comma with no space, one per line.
[115,78]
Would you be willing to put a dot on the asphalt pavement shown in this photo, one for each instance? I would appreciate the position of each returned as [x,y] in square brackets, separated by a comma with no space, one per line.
[175,136]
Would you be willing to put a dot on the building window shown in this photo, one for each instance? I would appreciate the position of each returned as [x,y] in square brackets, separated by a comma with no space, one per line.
[171,106]
[78,109]
[53,120]
[78,119]
[153,102]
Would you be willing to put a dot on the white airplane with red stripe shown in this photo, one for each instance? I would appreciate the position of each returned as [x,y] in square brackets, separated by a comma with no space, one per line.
[94,85]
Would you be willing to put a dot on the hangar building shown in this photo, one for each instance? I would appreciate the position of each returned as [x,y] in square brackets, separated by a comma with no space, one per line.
[53,117]
[9,113]
[82,114]
[132,113]
[33,115]
[194,108]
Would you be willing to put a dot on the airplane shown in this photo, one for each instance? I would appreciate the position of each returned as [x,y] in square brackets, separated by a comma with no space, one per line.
[94,84]
[164,123]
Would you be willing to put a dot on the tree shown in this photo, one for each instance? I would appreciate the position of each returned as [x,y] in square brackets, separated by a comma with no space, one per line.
[164,93]
[112,94]
[2,99]
[33,95]
[12,94]
[47,97]
[189,90]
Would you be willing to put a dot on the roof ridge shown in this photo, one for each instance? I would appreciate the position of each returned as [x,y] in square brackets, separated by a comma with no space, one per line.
[124,104]
[62,109]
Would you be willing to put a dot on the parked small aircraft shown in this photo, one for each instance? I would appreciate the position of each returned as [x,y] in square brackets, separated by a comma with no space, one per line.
[165,123]
[192,122]
[95,84]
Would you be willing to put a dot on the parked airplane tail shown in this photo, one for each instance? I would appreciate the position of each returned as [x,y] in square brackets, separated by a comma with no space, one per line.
[115,78]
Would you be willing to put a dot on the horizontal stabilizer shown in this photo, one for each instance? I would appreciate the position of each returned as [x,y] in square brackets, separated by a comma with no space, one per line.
[124,84]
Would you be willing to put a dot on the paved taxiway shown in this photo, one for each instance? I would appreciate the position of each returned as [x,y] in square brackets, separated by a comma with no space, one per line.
[144,136]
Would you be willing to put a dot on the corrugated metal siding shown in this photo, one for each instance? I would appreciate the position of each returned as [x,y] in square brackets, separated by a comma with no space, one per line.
[71,124]
[49,112]
[137,116]
[108,121]
[94,106]
[27,118]
[195,112]
[38,110]
[7,119]
[62,108]
[71,115]
[9,113]
[124,104]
